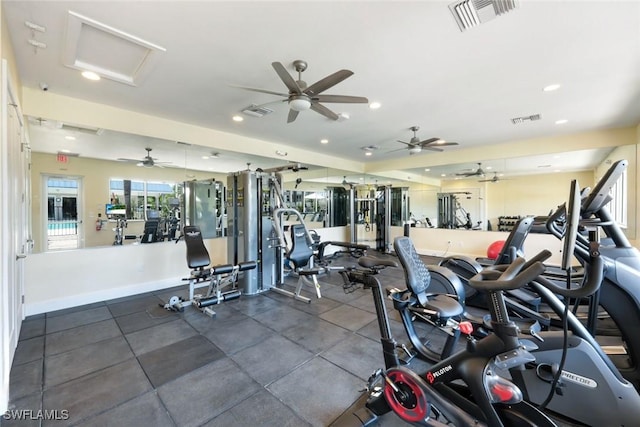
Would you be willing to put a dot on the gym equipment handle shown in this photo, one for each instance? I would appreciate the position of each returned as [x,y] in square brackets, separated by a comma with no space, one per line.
[594,274]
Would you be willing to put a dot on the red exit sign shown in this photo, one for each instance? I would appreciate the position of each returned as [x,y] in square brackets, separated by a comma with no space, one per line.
[62,158]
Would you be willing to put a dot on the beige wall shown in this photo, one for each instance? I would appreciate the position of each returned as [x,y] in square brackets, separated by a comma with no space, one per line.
[531,195]
[95,175]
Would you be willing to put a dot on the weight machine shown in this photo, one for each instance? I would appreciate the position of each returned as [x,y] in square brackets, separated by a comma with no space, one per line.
[256,212]
[451,214]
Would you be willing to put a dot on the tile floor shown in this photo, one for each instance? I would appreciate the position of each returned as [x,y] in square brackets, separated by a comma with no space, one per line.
[265,360]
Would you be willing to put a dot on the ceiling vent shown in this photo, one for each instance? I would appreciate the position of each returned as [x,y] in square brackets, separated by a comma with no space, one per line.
[91,45]
[531,118]
[471,13]
[257,111]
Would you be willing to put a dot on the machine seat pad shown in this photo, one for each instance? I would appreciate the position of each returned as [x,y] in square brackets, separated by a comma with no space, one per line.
[247,265]
[369,262]
[444,305]
[222,269]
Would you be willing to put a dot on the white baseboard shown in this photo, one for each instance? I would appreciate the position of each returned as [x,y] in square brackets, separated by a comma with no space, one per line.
[103,295]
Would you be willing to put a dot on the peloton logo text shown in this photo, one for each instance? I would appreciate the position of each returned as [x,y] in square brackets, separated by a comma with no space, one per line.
[431,376]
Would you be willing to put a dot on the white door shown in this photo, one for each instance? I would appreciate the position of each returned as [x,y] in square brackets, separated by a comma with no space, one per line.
[14,226]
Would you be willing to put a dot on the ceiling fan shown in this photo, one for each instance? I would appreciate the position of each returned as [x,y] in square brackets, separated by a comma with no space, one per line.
[477,172]
[348,184]
[302,97]
[416,146]
[147,161]
[495,178]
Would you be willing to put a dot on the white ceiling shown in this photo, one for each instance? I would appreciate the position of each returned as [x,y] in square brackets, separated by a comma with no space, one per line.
[409,56]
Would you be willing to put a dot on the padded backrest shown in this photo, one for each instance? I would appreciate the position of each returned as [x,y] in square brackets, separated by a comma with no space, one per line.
[416,274]
[197,254]
[300,252]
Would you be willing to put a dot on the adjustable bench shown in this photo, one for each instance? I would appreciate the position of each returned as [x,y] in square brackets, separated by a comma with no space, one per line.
[215,278]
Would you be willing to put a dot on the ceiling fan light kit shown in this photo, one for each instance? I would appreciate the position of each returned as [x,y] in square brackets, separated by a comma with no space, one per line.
[300,103]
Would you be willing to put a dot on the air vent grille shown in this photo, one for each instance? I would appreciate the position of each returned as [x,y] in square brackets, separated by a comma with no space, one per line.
[471,13]
[80,129]
[257,111]
[531,118]
[62,153]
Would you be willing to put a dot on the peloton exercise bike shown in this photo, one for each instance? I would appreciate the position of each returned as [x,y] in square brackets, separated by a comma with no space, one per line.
[506,374]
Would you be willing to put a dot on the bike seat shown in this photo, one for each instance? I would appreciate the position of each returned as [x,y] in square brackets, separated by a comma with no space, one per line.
[444,306]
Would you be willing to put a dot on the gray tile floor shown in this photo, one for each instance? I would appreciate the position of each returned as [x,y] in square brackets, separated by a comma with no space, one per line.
[265,360]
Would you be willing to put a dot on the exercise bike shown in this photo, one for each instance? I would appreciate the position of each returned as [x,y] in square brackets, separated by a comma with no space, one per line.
[497,401]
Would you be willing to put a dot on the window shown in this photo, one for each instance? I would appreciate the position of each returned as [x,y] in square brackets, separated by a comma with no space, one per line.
[144,200]
[618,205]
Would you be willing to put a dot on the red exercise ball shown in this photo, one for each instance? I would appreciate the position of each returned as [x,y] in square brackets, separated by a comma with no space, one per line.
[494,249]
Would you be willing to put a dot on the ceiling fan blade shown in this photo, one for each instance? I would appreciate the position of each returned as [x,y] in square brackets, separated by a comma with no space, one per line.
[444,144]
[128,160]
[429,147]
[319,108]
[406,143]
[344,99]
[327,82]
[286,78]
[270,92]
[292,115]
[429,141]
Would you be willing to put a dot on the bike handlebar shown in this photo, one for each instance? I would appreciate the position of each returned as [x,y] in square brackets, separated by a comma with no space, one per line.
[512,278]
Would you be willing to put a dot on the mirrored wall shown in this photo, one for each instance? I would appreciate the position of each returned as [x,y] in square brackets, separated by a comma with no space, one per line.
[116,192]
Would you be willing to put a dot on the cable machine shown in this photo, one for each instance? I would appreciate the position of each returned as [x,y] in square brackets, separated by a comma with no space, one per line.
[256,212]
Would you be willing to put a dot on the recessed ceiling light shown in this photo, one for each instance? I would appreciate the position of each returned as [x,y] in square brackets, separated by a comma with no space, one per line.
[70,138]
[557,170]
[205,157]
[368,153]
[361,179]
[489,167]
[375,105]
[281,153]
[561,121]
[237,118]
[440,141]
[90,75]
[427,170]
[551,88]
[324,141]
[443,174]
[66,151]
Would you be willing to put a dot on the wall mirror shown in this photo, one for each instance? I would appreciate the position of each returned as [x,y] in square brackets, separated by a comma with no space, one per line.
[69,161]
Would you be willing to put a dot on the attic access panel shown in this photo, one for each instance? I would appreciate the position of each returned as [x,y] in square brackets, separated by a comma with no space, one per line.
[92,46]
